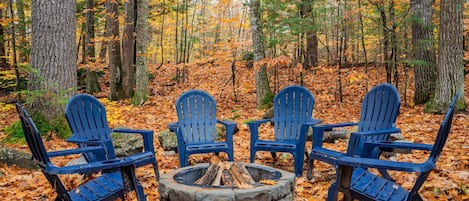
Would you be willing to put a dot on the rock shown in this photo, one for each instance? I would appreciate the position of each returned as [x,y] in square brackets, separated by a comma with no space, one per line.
[396,137]
[127,144]
[269,113]
[403,151]
[332,136]
[168,140]
[169,153]
[16,157]
[78,161]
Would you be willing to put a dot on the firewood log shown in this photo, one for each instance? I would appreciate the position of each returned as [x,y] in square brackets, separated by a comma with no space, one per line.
[208,177]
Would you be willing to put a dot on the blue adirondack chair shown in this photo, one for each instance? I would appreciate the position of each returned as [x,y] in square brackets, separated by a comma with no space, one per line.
[358,183]
[87,119]
[117,178]
[196,126]
[379,111]
[293,115]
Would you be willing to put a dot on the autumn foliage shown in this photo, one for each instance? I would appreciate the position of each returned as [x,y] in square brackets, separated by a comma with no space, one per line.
[450,180]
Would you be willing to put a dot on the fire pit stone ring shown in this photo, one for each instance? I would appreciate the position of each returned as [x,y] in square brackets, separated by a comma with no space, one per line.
[176,186]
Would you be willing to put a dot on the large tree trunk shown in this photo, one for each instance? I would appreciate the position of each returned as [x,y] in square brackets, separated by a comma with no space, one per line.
[256,29]
[52,55]
[450,77]
[114,50]
[128,49]
[141,92]
[423,51]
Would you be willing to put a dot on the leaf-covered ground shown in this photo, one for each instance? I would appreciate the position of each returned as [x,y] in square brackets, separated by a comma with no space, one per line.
[450,181]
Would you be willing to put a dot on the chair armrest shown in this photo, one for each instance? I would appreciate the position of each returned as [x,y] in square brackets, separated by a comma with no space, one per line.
[230,128]
[376,147]
[75,151]
[173,126]
[227,122]
[374,132]
[312,122]
[259,122]
[388,165]
[398,145]
[82,140]
[337,125]
[89,167]
[147,136]
[370,136]
[318,131]
[254,128]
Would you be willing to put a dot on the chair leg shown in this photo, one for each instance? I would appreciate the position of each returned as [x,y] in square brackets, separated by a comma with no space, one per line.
[274,156]
[252,156]
[183,159]
[230,156]
[332,192]
[309,172]
[157,173]
[299,162]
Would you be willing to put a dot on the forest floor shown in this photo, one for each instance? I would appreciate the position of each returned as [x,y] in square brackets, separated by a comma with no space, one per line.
[449,181]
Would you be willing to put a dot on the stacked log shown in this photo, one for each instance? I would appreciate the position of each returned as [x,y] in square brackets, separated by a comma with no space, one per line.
[222,173]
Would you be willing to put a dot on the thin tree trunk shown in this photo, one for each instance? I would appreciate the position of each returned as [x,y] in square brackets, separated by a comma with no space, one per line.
[92,84]
[24,46]
[360,18]
[311,55]
[13,41]
[103,50]
[3,59]
[256,29]
[141,92]
[176,42]
[114,50]
[423,51]
[128,49]
[393,58]
[162,33]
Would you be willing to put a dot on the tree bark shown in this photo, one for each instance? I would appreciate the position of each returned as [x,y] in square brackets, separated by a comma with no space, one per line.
[128,49]
[114,51]
[450,72]
[52,55]
[423,51]
[264,94]
[256,29]
[141,92]
[311,54]
[89,36]
[24,46]
[3,61]
[92,84]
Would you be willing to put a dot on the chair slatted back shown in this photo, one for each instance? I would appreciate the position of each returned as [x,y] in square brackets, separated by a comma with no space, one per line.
[444,130]
[87,119]
[35,144]
[292,106]
[196,112]
[380,108]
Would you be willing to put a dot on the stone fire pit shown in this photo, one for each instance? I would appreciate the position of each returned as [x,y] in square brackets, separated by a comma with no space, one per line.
[178,185]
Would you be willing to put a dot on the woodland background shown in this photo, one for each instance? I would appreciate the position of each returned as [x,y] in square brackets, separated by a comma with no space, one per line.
[117,50]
